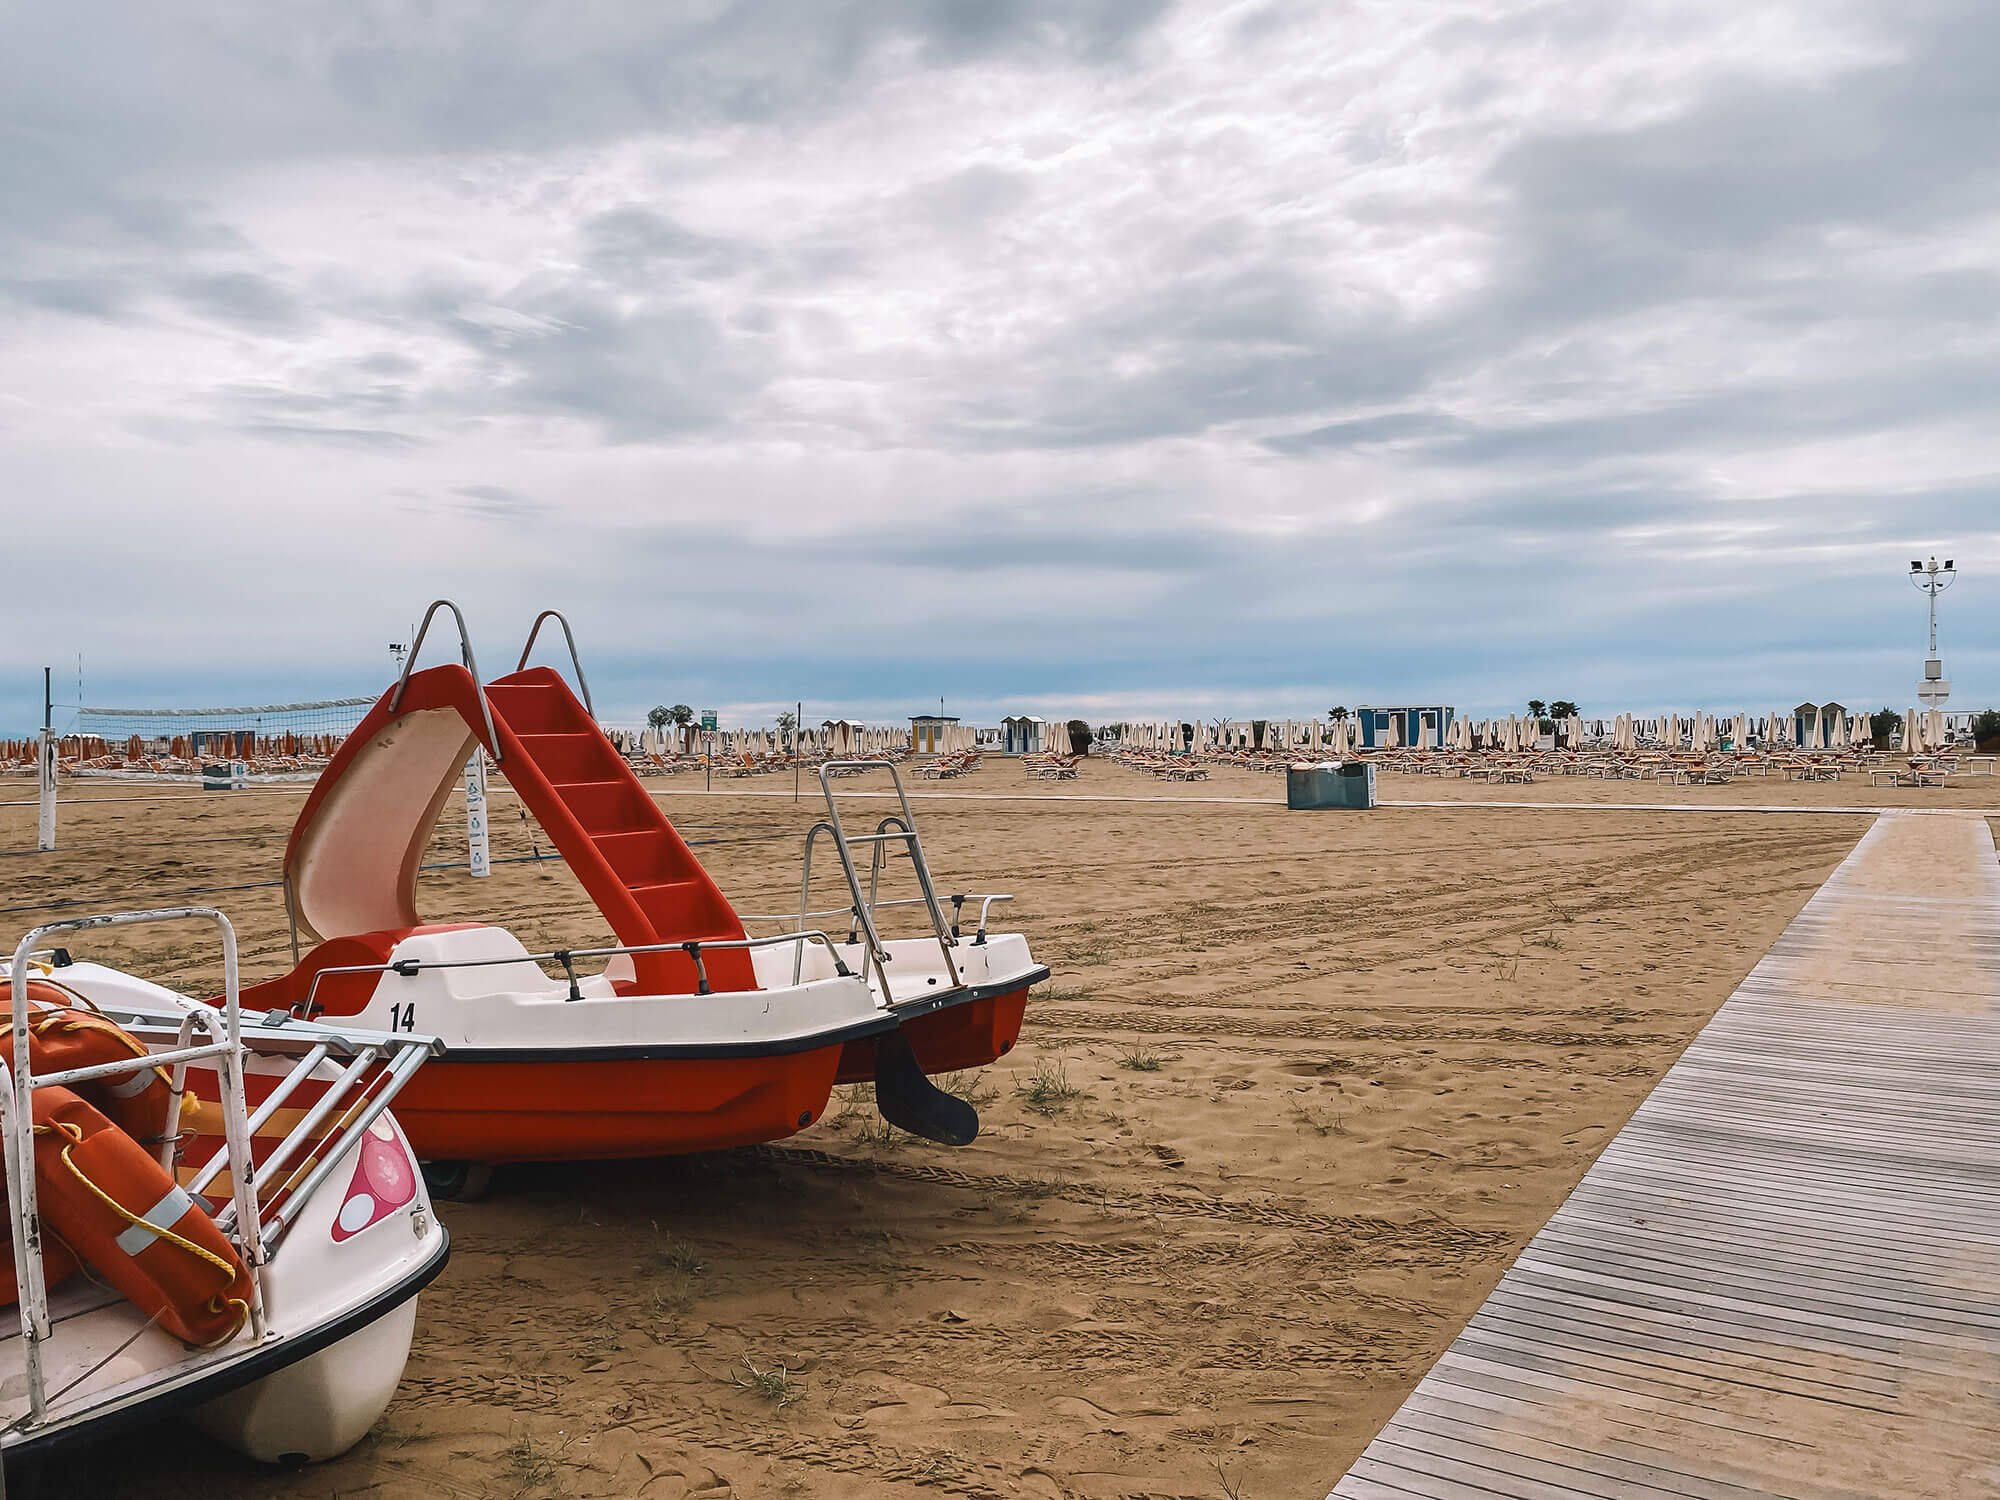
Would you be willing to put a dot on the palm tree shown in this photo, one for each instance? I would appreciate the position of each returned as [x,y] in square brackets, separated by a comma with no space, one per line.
[1562,708]
[1336,713]
[1537,708]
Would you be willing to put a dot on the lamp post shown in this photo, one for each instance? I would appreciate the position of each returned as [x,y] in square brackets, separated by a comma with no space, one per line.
[1933,580]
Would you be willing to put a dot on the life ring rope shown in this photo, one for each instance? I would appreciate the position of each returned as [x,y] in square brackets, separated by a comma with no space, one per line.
[75,1133]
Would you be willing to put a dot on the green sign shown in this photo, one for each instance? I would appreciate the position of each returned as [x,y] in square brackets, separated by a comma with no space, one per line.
[708,720]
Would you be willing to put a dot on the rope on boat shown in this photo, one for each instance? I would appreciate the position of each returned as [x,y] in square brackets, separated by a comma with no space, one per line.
[54,1396]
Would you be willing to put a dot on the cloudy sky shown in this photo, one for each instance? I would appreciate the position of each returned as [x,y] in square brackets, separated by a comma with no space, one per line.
[1109,356]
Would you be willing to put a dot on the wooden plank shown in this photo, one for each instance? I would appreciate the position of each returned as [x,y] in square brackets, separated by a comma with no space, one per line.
[1794,1241]
[1473,1418]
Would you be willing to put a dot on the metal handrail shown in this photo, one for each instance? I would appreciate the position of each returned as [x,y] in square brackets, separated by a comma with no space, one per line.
[877,954]
[848,911]
[864,907]
[985,905]
[408,1060]
[17,1087]
[574,660]
[879,855]
[409,968]
[471,665]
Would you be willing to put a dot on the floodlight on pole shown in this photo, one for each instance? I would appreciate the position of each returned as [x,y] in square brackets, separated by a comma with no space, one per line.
[1933,579]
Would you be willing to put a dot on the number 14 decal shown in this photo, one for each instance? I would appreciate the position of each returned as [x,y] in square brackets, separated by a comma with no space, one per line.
[403,1017]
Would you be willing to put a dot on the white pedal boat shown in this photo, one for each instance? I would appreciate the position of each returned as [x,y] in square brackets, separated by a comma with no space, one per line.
[687,1034]
[322,1208]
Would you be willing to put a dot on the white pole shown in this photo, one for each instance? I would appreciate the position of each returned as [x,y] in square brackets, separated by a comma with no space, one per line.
[45,769]
[45,837]
[475,815]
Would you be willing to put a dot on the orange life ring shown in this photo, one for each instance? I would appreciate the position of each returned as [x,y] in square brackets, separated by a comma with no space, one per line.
[114,1205]
[138,1103]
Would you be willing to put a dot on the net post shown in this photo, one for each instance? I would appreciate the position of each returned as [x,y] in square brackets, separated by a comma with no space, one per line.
[45,771]
[478,854]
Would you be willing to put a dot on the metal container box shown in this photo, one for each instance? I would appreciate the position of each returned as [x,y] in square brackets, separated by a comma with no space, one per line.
[1343,784]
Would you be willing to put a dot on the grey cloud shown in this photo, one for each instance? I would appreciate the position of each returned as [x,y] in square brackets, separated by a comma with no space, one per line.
[1692,204]
[643,374]
[370,439]
[496,502]
[1749,414]
[82,296]
[251,301]
[1212,345]
[972,198]
[379,77]
[1358,432]
[638,245]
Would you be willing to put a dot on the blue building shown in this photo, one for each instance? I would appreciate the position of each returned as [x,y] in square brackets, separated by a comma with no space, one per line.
[1407,721]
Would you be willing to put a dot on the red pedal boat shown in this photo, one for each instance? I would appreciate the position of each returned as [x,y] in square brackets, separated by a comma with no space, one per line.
[690,1034]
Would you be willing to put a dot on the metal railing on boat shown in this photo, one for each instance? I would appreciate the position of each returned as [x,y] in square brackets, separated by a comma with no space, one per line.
[242,1219]
[566,958]
[904,832]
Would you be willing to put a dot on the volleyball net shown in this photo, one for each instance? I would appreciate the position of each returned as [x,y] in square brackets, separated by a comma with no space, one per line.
[264,742]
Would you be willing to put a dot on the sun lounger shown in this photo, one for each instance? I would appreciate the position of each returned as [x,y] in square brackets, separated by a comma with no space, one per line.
[1907,776]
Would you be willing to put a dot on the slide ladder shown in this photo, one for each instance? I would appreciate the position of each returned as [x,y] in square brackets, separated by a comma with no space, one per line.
[354,853]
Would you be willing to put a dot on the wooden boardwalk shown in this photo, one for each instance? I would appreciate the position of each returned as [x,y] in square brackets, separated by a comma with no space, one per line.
[1783,1276]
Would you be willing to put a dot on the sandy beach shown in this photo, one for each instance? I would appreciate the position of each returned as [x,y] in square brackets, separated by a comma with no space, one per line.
[1301,1087]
